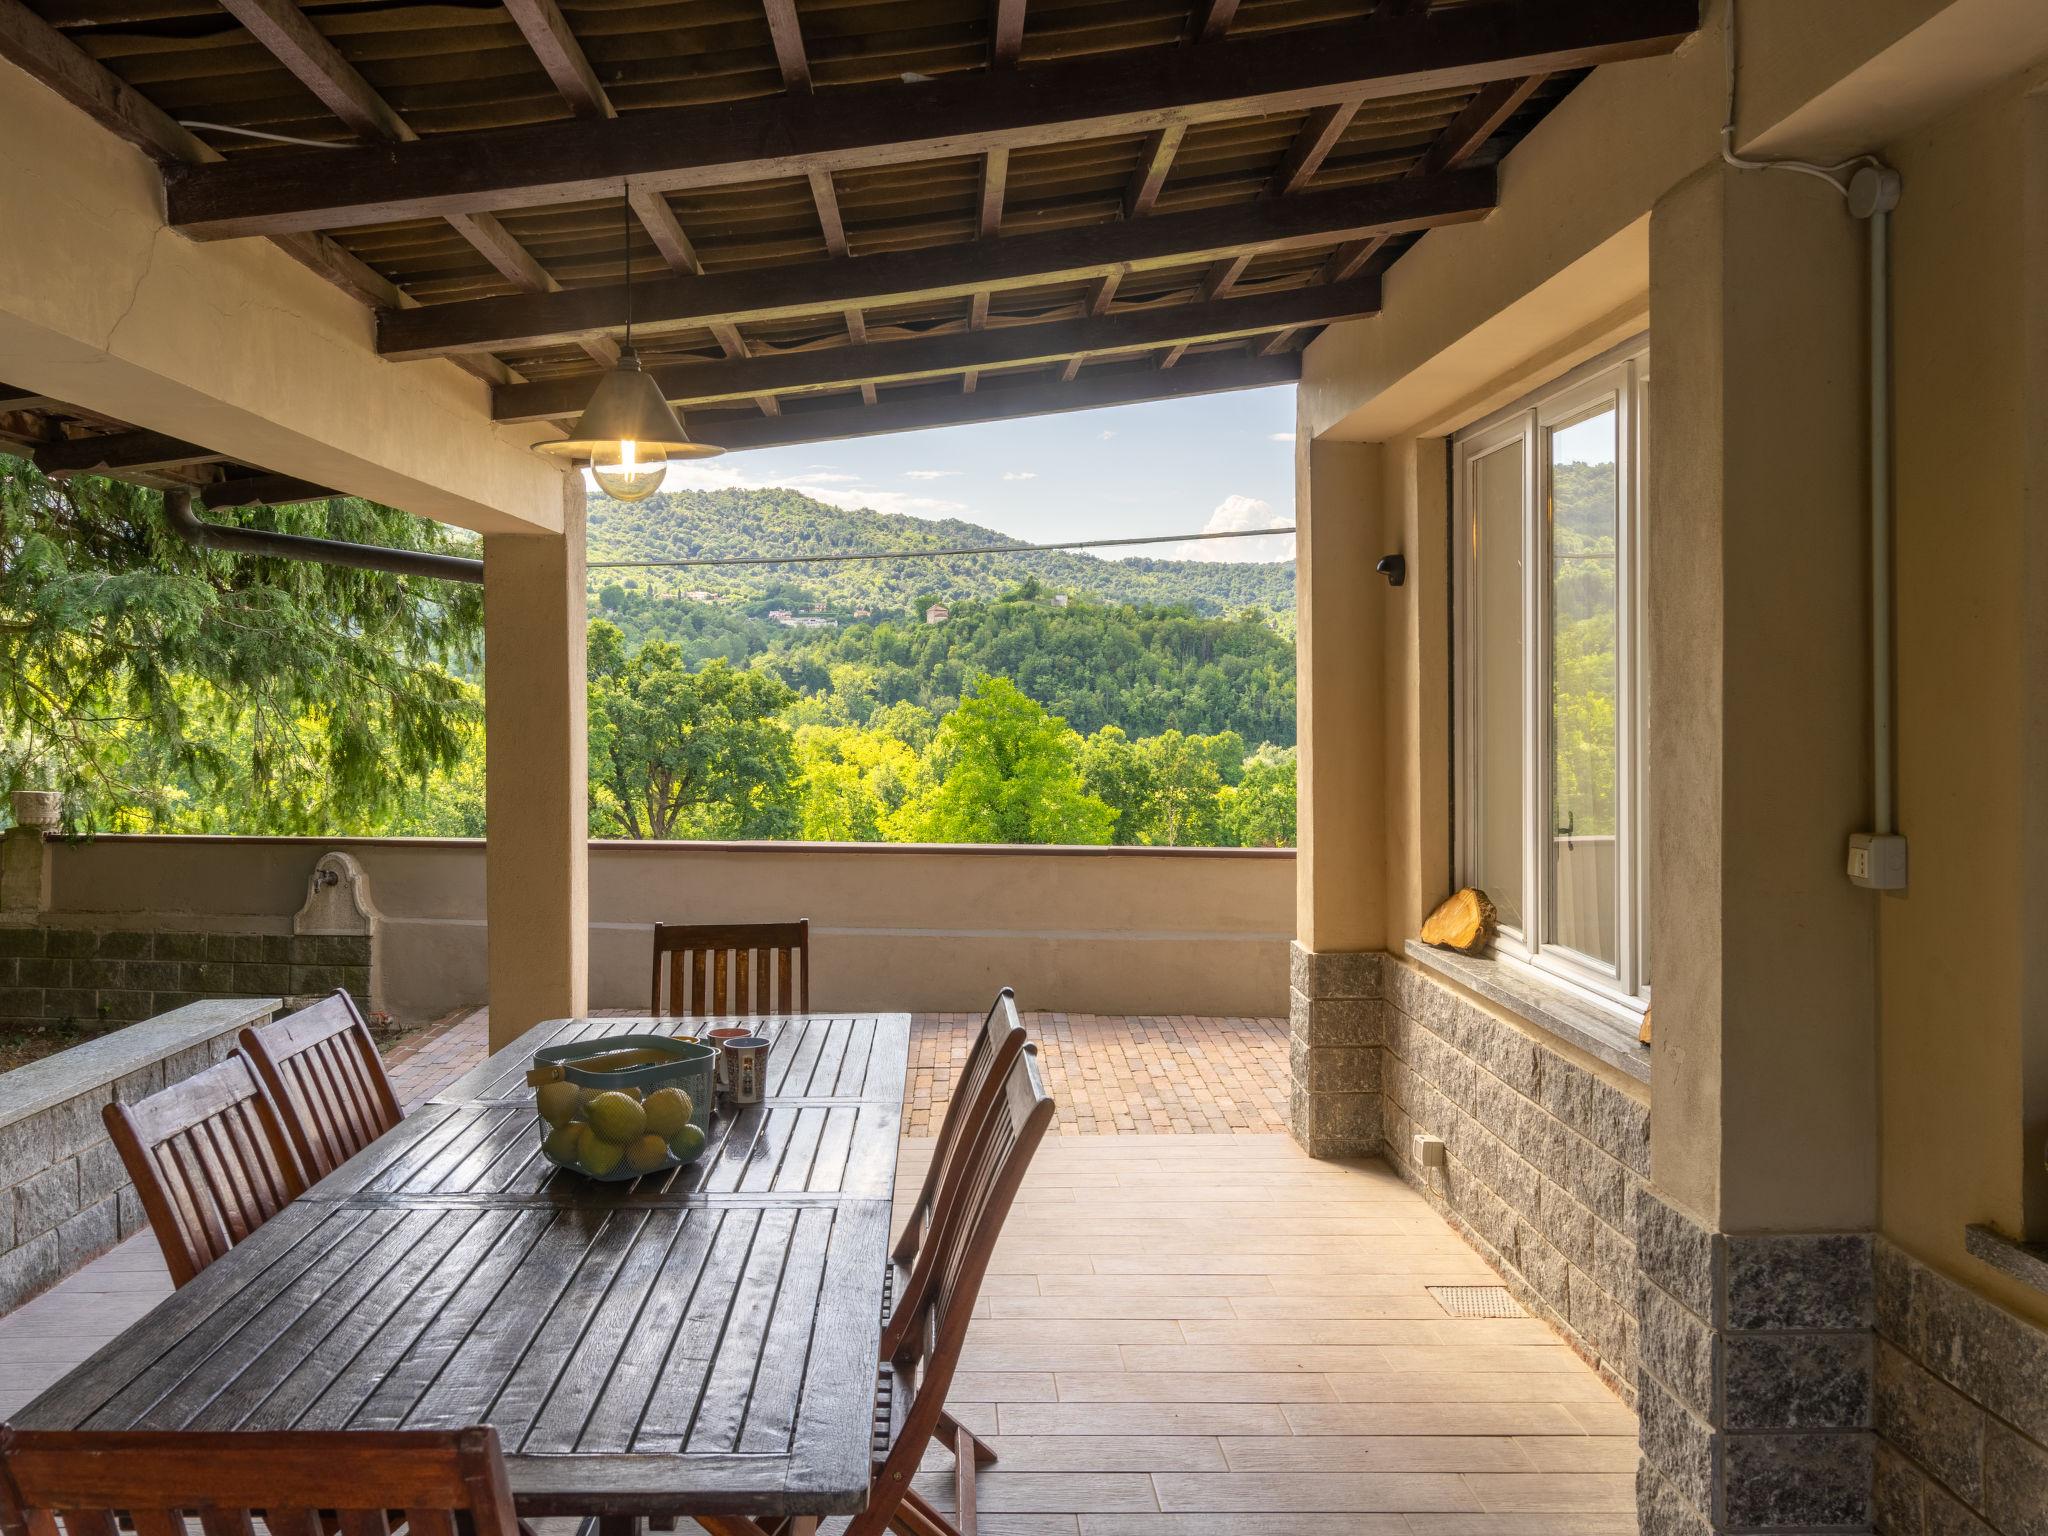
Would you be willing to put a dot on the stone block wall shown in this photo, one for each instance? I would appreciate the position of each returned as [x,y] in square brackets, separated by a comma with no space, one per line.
[64,1196]
[1543,1158]
[1334,1038]
[1960,1408]
[113,977]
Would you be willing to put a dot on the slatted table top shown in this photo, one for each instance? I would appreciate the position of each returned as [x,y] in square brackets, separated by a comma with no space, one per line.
[701,1341]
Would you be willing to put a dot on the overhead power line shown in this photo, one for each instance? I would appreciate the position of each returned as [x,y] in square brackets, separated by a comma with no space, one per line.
[932,554]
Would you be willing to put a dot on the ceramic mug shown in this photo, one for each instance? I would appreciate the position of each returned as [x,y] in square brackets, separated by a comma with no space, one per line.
[719,1038]
[746,1062]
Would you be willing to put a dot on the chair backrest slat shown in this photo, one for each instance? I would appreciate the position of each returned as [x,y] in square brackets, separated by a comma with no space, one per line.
[1001,1037]
[210,1159]
[322,1067]
[929,1328]
[81,1483]
[719,969]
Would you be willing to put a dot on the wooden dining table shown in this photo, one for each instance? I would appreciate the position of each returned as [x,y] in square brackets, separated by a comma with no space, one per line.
[702,1341]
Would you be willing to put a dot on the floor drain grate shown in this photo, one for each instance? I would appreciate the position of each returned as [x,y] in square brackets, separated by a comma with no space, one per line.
[1476,1300]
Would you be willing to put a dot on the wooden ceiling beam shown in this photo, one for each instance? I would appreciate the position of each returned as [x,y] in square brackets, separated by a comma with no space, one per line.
[1491,106]
[995,185]
[290,38]
[118,453]
[1010,346]
[1458,47]
[789,44]
[1212,19]
[1312,221]
[262,490]
[548,34]
[997,399]
[1312,145]
[1154,164]
[1006,32]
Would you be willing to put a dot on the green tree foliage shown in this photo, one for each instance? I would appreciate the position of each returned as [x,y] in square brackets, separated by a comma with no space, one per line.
[1584,677]
[1002,770]
[1147,670]
[167,688]
[1258,811]
[853,782]
[684,524]
[677,753]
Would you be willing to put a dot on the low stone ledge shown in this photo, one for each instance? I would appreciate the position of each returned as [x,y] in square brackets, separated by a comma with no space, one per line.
[64,1196]
[1548,1008]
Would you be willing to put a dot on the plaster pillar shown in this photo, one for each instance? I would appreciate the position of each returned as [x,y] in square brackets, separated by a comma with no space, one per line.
[1340,922]
[537,813]
[1754,1238]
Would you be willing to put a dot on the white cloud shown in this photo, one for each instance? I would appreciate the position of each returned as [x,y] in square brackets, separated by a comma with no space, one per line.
[1020,474]
[1105,434]
[1235,512]
[928,474]
[1280,437]
[725,474]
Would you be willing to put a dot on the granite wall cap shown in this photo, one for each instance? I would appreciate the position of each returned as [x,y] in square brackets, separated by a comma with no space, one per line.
[55,1080]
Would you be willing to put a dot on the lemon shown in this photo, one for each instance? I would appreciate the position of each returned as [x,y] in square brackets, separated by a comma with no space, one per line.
[668,1111]
[616,1117]
[558,1102]
[646,1154]
[687,1143]
[565,1143]
[601,1157]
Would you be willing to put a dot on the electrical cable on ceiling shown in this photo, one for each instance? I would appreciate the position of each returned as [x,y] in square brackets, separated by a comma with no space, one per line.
[258,133]
[931,554]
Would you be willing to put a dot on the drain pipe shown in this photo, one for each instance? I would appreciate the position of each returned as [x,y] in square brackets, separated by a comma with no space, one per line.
[196,531]
[1877,858]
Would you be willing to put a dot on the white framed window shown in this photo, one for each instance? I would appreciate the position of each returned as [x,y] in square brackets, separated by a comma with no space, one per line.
[1547,501]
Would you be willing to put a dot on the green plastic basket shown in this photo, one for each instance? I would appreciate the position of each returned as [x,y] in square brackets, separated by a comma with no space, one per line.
[687,1064]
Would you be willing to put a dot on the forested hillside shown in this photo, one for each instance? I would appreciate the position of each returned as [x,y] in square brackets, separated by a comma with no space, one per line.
[685,524]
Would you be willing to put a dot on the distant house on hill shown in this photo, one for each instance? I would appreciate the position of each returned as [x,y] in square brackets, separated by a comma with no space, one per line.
[778,614]
[861,613]
[938,613]
[805,621]
[1059,599]
[699,595]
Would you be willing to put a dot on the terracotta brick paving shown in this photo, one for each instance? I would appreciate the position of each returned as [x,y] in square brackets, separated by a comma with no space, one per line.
[1113,1074]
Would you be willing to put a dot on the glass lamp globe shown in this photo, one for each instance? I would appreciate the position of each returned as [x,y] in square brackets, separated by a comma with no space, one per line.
[625,473]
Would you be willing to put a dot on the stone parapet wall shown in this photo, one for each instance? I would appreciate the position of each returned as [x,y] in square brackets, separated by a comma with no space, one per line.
[86,976]
[1544,1157]
[64,1196]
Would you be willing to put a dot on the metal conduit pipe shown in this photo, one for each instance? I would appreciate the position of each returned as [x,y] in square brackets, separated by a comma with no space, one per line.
[196,531]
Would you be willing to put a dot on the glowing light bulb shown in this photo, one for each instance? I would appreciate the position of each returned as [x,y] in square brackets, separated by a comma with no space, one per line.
[625,475]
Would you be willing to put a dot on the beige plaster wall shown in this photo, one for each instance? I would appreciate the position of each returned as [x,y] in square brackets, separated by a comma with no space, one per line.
[1963,949]
[1342,732]
[1086,931]
[234,345]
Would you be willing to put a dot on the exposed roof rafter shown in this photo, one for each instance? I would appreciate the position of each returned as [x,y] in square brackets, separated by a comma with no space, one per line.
[732,142]
[1310,221]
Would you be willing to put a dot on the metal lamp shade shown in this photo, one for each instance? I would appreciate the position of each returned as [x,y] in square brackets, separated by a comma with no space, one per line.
[627,407]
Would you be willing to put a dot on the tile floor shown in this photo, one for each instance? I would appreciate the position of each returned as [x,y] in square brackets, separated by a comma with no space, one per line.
[1183,1334]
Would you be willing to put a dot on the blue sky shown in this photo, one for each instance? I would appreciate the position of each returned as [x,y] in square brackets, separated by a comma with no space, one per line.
[1174,466]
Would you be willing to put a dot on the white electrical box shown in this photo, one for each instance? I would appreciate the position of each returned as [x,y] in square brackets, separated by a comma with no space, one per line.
[1429,1150]
[1877,861]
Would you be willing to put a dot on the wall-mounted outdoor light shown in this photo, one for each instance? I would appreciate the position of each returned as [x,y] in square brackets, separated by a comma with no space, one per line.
[1394,568]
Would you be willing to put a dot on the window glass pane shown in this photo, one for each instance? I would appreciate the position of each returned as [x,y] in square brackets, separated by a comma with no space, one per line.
[1495,593]
[1584,623]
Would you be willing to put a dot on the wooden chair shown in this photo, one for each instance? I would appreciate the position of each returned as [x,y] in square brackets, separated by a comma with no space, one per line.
[98,1483]
[324,1072]
[700,954]
[922,1340]
[981,1079]
[210,1159]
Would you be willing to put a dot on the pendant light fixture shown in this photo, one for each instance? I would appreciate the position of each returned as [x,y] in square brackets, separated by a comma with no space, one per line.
[628,432]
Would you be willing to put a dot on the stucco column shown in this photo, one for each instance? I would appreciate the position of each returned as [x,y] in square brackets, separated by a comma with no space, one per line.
[536,774]
[1340,886]
[1754,1238]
